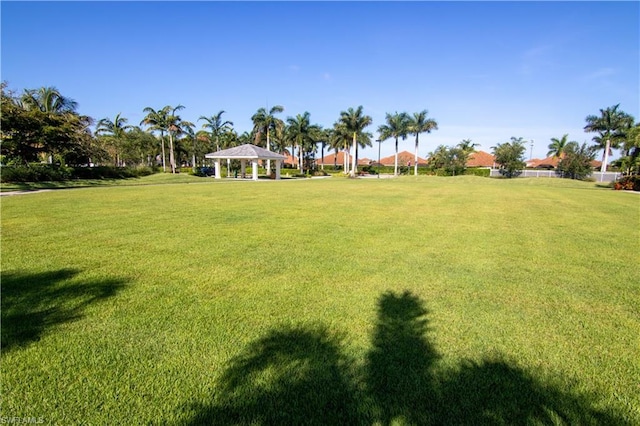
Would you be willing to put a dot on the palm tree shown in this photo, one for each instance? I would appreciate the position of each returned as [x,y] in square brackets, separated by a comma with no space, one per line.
[301,133]
[354,122]
[264,123]
[116,129]
[174,128]
[397,126]
[337,138]
[467,146]
[419,123]
[340,140]
[325,140]
[49,100]
[216,126]
[610,126]
[558,146]
[157,121]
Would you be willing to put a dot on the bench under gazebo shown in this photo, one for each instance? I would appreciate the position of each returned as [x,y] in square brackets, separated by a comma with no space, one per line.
[243,153]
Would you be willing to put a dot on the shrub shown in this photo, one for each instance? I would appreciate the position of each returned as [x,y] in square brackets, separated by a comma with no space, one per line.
[478,172]
[55,173]
[35,173]
[628,183]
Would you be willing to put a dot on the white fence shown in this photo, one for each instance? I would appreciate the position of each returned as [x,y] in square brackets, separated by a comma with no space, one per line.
[598,176]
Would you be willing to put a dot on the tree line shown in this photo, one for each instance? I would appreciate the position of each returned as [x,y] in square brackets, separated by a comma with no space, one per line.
[42,125]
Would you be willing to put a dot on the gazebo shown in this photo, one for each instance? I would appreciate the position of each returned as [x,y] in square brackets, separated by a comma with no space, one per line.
[246,152]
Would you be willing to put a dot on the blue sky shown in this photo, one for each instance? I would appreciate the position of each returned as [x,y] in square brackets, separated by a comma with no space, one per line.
[485,71]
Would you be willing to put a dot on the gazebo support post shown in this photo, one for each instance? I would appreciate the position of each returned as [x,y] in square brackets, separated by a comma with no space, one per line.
[254,165]
[217,165]
[243,168]
[278,163]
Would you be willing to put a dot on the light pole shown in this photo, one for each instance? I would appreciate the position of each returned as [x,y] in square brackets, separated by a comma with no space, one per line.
[379,145]
[531,153]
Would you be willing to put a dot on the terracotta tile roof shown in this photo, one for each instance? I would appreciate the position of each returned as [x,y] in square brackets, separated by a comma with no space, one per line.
[552,162]
[545,163]
[404,158]
[481,159]
[328,160]
[331,159]
[291,160]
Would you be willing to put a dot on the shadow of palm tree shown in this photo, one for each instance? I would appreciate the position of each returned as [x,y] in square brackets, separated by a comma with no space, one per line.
[34,303]
[293,376]
[300,376]
[399,365]
[495,392]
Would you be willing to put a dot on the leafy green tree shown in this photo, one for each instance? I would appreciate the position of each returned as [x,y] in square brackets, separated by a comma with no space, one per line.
[576,161]
[116,130]
[510,157]
[265,123]
[43,122]
[450,161]
[139,147]
[611,126]
[397,126]
[419,123]
[21,131]
[558,146]
[630,162]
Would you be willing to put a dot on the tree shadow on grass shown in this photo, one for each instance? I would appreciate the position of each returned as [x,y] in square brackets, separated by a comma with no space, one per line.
[301,377]
[32,304]
[292,376]
[400,363]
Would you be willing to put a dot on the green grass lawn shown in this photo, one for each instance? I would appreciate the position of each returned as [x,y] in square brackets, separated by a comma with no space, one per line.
[395,301]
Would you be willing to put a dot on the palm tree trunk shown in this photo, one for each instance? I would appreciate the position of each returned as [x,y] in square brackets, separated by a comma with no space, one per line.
[294,157]
[268,149]
[322,159]
[354,159]
[344,160]
[300,158]
[415,158]
[172,160]
[164,166]
[395,167]
[605,156]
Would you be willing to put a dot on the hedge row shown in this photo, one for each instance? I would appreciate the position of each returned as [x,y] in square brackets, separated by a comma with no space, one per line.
[53,173]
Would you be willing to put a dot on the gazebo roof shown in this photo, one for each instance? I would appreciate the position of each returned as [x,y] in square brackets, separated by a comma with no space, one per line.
[246,151]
